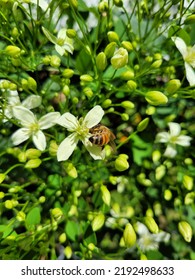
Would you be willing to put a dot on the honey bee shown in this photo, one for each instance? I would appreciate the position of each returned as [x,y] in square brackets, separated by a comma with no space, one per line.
[101,135]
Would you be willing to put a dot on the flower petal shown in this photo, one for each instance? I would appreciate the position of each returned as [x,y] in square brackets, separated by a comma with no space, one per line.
[39,140]
[174,128]
[170,151]
[180,44]
[32,101]
[162,137]
[67,147]
[183,140]
[23,114]
[21,135]
[94,116]
[48,120]
[190,74]
[68,121]
[60,50]
[95,151]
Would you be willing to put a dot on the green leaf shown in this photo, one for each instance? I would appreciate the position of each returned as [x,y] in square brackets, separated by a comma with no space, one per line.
[140,149]
[33,218]
[72,230]
[49,36]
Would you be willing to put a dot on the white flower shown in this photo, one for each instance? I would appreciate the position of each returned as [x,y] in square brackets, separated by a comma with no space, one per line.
[80,131]
[32,127]
[62,42]
[150,241]
[13,100]
[172,139]
[188,54]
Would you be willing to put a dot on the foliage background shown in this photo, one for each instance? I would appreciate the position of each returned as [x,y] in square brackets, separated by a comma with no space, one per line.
[48,211]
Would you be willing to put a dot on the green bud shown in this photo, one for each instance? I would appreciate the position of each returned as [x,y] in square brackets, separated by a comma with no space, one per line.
[32,84]
[143,124]
[68,73]
[2,177]
[188,161]
[33,163]
[32,153]
[13,51]
[189,198]
[143,257]
[149,59]
[9,204]
[172,86]
[70,169]
[71,33]
[66,90]
[156,64]
[129,235]
[118,3]
[190,19]
[141,178]
[75,100]
[68,252]
[156,98]
[160,172]
[188,182]
[86,78]
[46,60]
[156,155]
[127,45]
[101,61]
[88,92]
[124,117]
[98,222]
[150,110]
[62,238]
[15,32]
[24,83]
[55,61]
[106,103]
[186,230]
[120,58]
[2,195]
[127,75]
[121,163]
[132,85]
[103,6]
[127,104]
[112,36]
[151,224]
[53,147]
[167,195]
[21,216]
[56,213]
[110,49]
[42,199]
[105,195]
[157,56]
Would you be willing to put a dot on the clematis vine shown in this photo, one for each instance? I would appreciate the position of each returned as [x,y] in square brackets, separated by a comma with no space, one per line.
[80,131]
[31,127]
[173,138]
[188,54]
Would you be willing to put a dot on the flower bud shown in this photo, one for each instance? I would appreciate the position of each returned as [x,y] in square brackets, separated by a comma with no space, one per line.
[132,85]
[56,213]
[2,177]
[120,58]
[112,36]
[190,19]
[2,195]
[68,252]
[127,75]
[110,49]
[22,157]
[98,222]
[55,61]
[13,51]
[88,92]
[156,64]
[42,199]
[156,98]
[143,257]
[105,195]
[127,45]
[86,78]
[172,86]
[101,61]
[15,32]
[167,195]
[150,110]
[62,238]
[21,216]
[151,224]
[9,204]
[186,230]
[66,90]
[46,60]
[189,198]
[121,163]
[71,33]
[103,6]
[157,56]
[74,3]
[68,73]
[53,147]
[125,117]
[32,153]
[188,182]
[32,84]
[33,163]
[143,124]
[106,103]
[118,3]
[70,169]
[160,172]
[127,104]
[156,155]
[129,235]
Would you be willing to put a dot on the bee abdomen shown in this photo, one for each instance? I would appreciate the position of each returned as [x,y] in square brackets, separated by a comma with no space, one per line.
[99,140]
